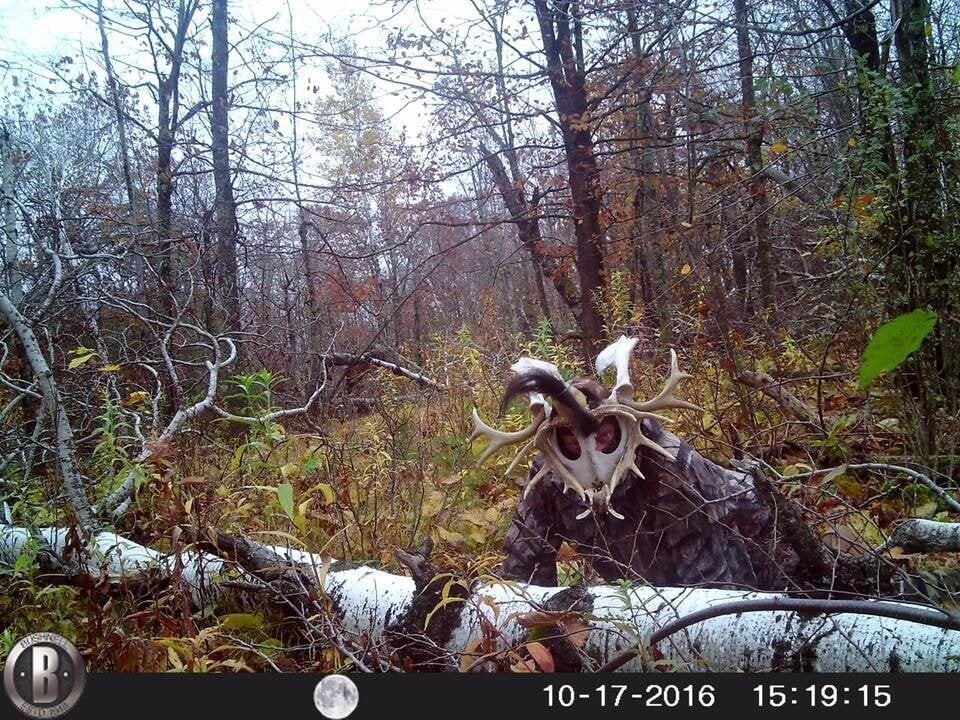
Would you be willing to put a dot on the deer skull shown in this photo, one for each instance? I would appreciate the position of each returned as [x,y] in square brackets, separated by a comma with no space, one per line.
[589,449]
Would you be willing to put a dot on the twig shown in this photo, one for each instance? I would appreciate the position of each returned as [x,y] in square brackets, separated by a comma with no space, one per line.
[335,358]
[916,475]
[784,398]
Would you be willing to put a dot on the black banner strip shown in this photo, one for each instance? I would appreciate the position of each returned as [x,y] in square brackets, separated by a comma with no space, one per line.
[502,696]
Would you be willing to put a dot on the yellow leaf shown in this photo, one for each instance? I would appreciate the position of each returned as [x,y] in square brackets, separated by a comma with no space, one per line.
[432,503]
[81,360]
[454,538]
[327,492]
[136,398]
[852,142]
[478,536]
[110,368]
[927,510]
[300,521]
[443,603]
[686,269]
[241,621]
[290,470]
[779,148]
[475,516]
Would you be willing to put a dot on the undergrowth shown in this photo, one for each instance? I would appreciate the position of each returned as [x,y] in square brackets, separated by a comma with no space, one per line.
[358,486]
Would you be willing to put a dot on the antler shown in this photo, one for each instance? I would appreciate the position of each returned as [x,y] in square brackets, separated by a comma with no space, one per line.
[618,355]
[499,439]
[666,398]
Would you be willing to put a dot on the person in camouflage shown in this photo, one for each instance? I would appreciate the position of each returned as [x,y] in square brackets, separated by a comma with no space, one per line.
[631,498]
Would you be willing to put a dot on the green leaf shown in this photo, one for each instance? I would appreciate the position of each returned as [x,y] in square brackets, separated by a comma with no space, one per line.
[241,621]
[314,464]
[140,476]
[893,342]
[285,497]
[81,360]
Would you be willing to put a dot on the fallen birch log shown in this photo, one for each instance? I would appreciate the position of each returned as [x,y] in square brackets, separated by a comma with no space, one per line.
[926,536]
[619,619]
[116,559]
[478,625]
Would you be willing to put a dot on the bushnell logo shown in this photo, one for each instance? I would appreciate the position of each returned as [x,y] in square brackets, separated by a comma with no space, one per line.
[44,676]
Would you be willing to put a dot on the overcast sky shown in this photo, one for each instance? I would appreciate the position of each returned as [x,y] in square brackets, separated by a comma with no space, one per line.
[39,27]
[35,32]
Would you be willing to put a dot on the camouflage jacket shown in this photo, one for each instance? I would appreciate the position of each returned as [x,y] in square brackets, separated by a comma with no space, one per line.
[687,522]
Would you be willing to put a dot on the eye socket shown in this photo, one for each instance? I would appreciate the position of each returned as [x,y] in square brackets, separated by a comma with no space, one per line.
[568,444]
[608,436]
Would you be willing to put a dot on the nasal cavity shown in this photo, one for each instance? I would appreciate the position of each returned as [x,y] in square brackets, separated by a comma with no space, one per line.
[608,436]
[568,444]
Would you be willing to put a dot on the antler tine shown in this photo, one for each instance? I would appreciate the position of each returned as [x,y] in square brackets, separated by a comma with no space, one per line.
[617,355]
[499,439]
[601,496]
[666,398]
[519,456]
[635,439]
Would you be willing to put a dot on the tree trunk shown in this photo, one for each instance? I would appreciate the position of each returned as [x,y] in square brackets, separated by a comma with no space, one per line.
[168,120]
[646,201]
[861,33]
[12,275]
[567,80]
[922,143]
[736,242]
[165,200]
[118,112]
[524,216]
[225,205]
[63,430]
[923,239]
[541,292]
[757,185]
[312,302]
